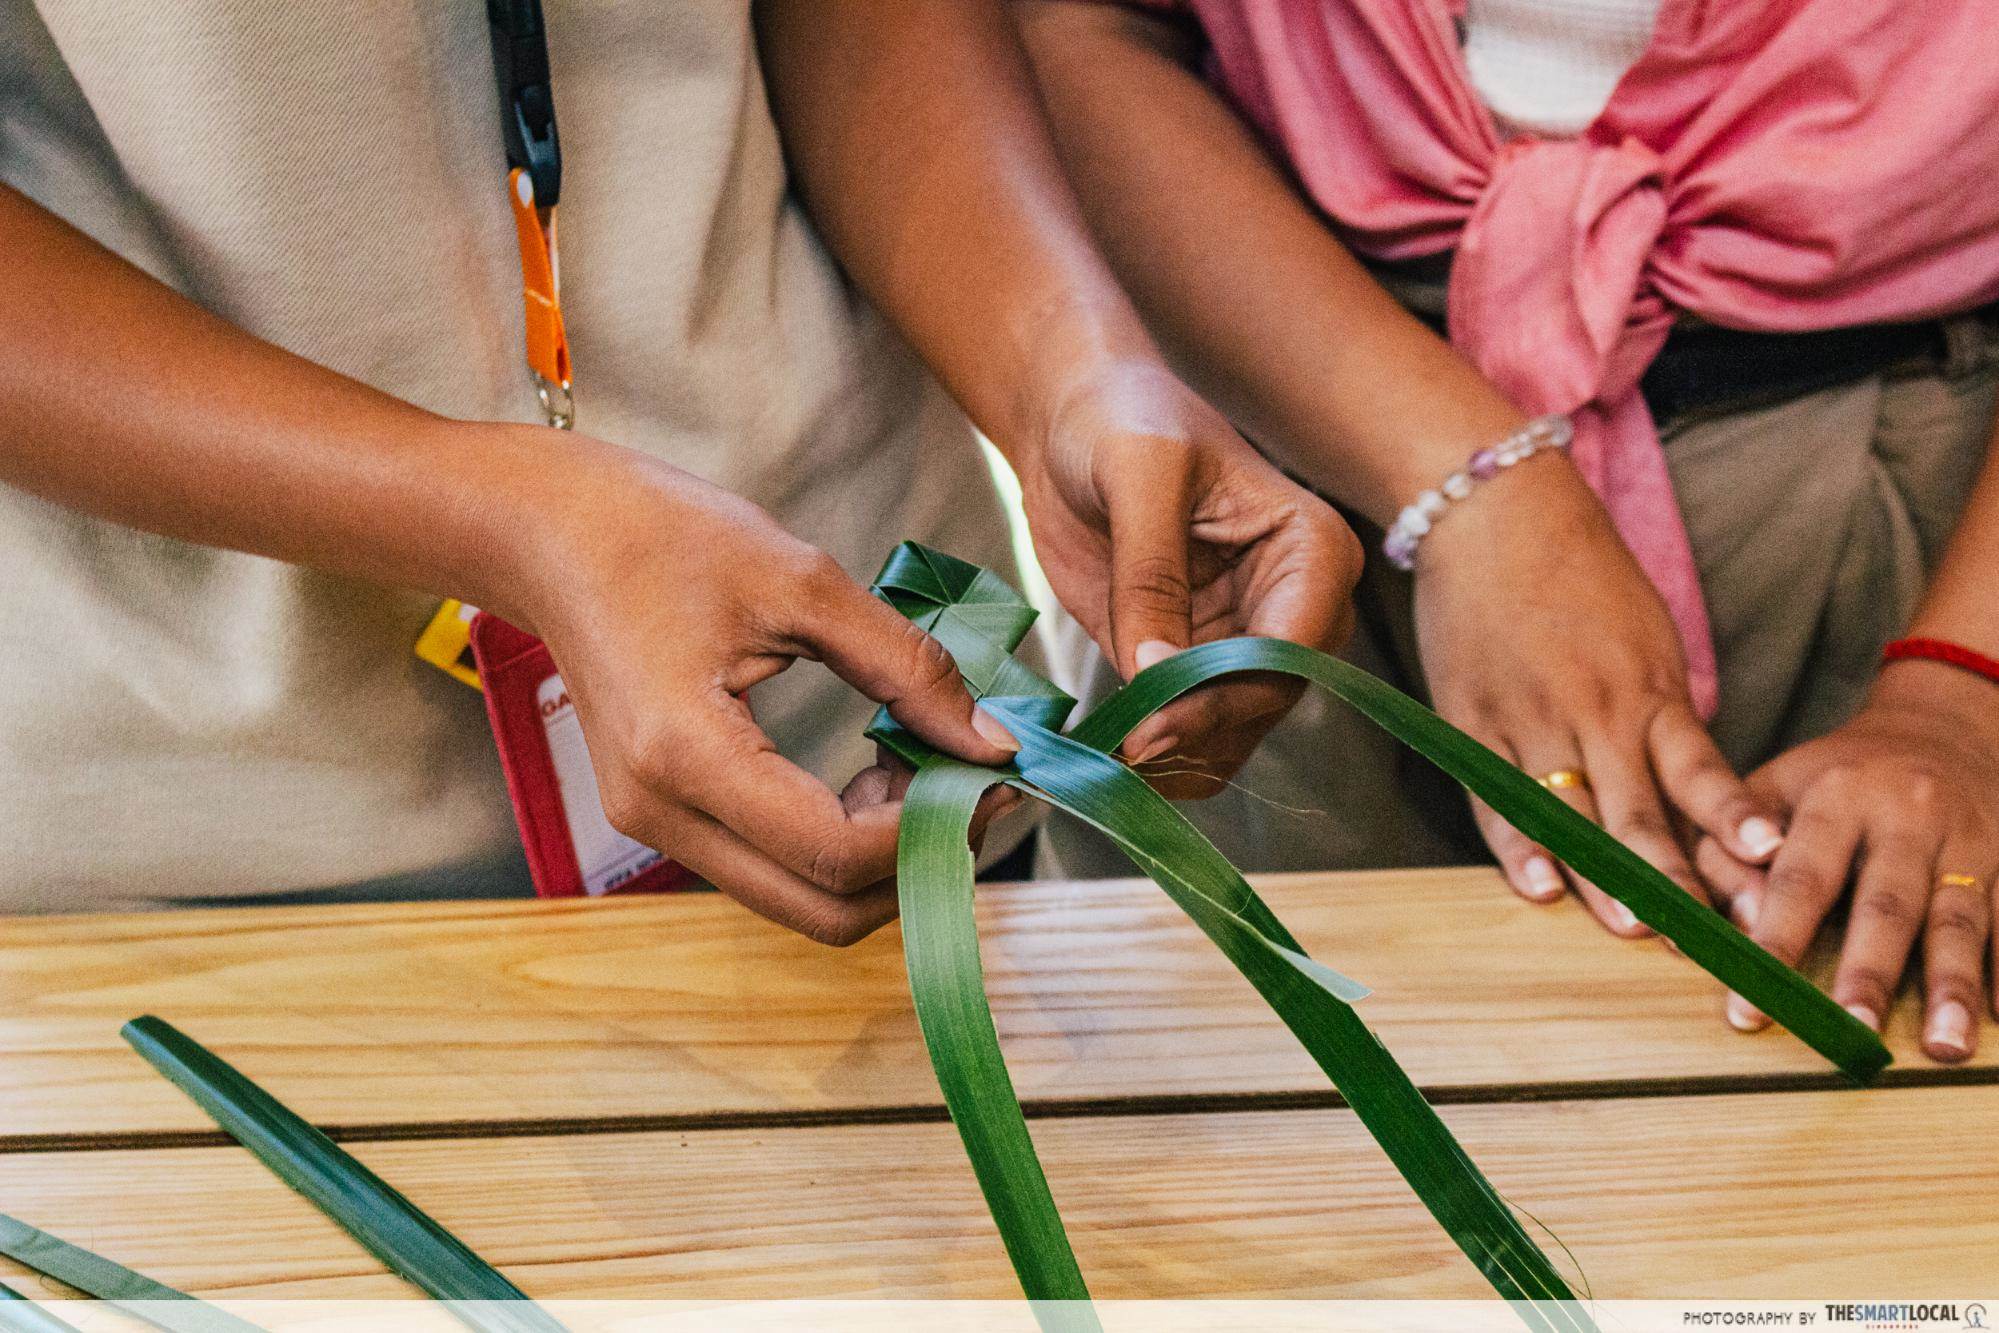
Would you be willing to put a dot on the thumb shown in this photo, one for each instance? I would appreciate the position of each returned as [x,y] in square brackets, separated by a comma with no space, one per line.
[1150,613]
[868,644]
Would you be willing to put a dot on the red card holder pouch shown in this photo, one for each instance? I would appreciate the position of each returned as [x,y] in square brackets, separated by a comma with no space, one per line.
[572,850]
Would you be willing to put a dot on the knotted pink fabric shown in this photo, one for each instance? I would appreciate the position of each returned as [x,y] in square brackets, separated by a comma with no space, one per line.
[1776,165]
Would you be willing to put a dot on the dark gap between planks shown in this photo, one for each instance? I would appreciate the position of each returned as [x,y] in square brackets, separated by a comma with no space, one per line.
[1080,1108]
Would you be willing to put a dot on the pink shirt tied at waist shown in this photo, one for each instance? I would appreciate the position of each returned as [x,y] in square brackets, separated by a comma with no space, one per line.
[1775,165]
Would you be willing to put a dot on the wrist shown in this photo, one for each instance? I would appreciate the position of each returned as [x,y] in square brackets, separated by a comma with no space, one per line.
[1942,689]
[522,508]
[1518,489]
[1087,359]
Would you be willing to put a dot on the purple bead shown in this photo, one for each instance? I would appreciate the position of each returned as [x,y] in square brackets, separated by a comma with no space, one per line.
[1484,464]
[1400,548]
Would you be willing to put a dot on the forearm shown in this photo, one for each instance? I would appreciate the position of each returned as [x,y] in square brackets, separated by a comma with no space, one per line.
[127,401]
[1961,605]
[919,147]
[1257,302]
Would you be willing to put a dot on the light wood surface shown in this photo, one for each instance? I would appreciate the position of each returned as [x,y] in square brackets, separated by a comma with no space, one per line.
[680,1008]
[1779,1195]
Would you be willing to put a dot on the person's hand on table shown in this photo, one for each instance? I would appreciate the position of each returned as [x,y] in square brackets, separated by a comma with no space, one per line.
[1540,636]
[1159,528]
[1903,802]
[663,599]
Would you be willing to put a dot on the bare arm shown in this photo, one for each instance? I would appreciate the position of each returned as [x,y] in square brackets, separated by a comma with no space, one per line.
[1253,295]
[1538,632]
[921,150]
[660,596]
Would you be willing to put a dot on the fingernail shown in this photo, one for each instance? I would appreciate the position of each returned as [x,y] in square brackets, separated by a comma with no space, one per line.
[1950,1030]
[1865,1015]
[1760,836]
[993,730]
[1744,1016]
[1152,652]
[1747,905]
[1159,749]
[1544,882]
[1621,917]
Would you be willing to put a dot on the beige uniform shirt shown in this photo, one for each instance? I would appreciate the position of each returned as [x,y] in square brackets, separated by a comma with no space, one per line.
[186,723]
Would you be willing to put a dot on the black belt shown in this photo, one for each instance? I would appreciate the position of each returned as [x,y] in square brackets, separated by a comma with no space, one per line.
[1705,368]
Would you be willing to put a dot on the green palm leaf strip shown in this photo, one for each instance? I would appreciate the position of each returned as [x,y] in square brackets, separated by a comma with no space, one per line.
[18,1314]
[413,1245]
[94,1275]
[981,620]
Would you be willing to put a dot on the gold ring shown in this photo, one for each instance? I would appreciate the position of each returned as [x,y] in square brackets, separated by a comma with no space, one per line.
[1959,882]
[1563,778]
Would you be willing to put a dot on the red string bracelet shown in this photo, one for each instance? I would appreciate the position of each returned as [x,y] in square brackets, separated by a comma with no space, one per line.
[1942,650]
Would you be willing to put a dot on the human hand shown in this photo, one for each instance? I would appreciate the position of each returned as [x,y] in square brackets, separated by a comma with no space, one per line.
[1159,527]
[663,599]
[1903,802]
[1541,637]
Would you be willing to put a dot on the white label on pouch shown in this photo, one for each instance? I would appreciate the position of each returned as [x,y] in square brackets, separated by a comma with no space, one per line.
[607,857]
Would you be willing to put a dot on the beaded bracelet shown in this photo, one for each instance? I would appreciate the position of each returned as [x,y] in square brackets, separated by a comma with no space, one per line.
[1414,522]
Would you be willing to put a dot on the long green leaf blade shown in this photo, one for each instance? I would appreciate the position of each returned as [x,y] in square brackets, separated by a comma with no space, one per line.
[1701,934]
[934,872]
[18,1314]
[94,1275]
[413,1245]
[1160,841]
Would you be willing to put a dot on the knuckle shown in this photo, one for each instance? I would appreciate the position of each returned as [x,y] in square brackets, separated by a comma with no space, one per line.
[627,808]
[1924,793]
[1644,825]
[1869,980]
[1894,910]
[1153,581]
[655,756]
[928,663]
[837,926]
[1800,883]
[1960,916]
[831,866]
[817,572]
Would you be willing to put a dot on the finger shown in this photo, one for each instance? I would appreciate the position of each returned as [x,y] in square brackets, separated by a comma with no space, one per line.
[718,761]
[1803,883]
[885,784]
[887,658]
[1529,870]
[1698,780]
[1197,744]
[1955,935]
[1890,898]
[723,859]
[1151,595]
[1727,878]
[1627,805]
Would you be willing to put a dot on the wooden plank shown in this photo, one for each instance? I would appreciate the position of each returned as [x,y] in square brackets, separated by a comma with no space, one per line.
[1784,1195]
[438,1015]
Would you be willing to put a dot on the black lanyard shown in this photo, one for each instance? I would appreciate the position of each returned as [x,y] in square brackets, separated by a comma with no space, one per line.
[527,100]
[534,183]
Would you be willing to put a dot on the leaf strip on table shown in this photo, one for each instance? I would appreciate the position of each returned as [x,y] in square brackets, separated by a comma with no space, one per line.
[94,1275]
[413,1245]
[1700,933]
[18,1314]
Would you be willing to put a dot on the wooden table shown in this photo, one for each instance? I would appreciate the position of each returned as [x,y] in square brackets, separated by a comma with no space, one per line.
[668,1098]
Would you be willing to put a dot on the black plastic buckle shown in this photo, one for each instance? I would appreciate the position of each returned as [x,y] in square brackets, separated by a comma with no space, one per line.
[527,98]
